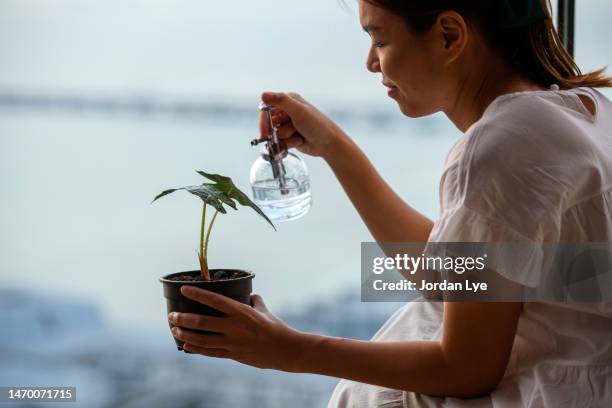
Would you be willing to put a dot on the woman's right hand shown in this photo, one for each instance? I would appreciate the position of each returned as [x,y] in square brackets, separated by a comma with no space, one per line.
[300,124]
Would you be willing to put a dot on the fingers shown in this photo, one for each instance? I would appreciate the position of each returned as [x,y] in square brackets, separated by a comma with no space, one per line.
[214,300]
[290,103]
[278,118]
[297,97]
[294,141]
[210,352]
[287,134]
[200,339]
[283,104]
[199,322]
[258,303]
[264,127]
[285,131]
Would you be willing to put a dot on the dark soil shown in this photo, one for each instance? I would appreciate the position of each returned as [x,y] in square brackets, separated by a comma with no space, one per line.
[218,275]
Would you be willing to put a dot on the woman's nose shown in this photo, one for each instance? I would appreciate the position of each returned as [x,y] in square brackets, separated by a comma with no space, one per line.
[372,63]
[374,66]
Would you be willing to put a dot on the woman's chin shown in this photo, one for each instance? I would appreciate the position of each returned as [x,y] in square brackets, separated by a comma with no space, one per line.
[408,111]
[412,111]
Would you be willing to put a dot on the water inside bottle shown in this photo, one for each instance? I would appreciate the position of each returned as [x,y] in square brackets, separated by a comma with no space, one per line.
[289,203]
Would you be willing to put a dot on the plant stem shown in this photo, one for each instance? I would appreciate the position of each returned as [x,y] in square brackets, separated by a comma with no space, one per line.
[202,255]
[202,228]
[208,234]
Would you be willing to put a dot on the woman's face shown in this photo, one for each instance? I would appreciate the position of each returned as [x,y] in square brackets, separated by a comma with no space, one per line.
[410,65]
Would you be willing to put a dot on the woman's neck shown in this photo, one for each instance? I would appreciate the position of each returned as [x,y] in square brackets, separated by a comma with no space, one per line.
[479,89]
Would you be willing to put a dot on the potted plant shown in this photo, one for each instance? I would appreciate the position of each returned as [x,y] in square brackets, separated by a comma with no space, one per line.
[233,283]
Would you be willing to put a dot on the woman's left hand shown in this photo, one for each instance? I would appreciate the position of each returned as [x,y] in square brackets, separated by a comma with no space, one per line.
[249,335]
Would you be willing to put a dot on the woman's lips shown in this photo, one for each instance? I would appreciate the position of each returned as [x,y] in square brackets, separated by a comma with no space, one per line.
[392,92]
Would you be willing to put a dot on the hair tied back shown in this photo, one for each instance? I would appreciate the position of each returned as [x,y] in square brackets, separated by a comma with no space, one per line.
[517,13]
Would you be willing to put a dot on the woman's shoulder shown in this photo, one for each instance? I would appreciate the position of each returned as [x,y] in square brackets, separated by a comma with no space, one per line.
[539,126]
[562,111]
[537,148]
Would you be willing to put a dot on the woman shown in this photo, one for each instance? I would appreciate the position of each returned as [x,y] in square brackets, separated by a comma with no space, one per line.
[534,164]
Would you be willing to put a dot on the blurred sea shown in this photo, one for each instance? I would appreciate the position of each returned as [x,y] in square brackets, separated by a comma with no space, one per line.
[76,214]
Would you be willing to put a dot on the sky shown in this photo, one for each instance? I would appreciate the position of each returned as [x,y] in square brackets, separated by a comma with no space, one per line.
[212,49]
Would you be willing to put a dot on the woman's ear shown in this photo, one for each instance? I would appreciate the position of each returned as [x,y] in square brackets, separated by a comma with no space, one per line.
[453,31]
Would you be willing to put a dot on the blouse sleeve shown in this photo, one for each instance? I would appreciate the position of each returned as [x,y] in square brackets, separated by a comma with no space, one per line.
[507,187]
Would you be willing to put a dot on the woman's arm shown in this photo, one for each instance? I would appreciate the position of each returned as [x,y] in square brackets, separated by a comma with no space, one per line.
[386,215]
[390,220]
[469,360]
[397,227]
[301,125]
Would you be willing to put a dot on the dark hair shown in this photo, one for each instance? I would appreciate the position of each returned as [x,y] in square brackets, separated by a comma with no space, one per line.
[534,50]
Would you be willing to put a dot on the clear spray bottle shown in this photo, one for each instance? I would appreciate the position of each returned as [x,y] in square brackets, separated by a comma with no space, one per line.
[279,179]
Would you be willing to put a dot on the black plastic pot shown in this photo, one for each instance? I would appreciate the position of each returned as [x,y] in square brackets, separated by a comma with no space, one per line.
[235,288]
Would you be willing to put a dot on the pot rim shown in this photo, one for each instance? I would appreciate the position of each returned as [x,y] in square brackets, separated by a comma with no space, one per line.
[250,275]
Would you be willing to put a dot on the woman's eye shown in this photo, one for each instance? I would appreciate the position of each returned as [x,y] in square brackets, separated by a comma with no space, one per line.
[378,45]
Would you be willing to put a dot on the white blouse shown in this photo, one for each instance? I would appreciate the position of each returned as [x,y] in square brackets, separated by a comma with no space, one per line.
[536,166]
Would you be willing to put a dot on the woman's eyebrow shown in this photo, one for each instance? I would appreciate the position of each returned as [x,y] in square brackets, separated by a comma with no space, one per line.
[368,28]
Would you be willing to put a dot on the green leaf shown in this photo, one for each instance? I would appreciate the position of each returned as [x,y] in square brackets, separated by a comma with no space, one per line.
[223,191]
[217,191]
[217,178]
[166,192]
[243,199]
[228,200]
[210,195]
[226,185]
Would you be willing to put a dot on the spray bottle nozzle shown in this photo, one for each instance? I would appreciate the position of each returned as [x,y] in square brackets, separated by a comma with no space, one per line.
[255,142]
[275,150]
